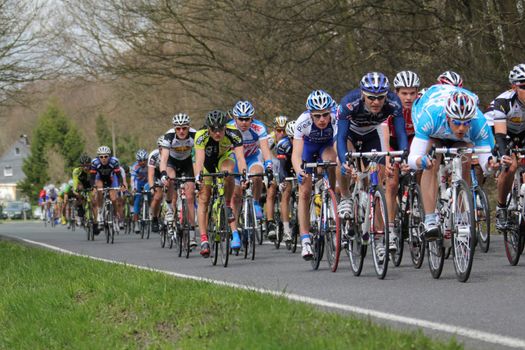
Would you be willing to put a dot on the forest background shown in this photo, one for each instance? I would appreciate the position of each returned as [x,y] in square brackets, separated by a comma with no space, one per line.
[133,64]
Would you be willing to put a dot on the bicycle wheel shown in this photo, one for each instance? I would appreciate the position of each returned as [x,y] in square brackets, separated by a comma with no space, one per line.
[332,230]
[171,234]
[107,225]
[163,235]
[464,238]
[380,235]
[224,235]
[112,224]
[185,230]
[397,256]
[352,237]
[512,238]
[316,238]
[416,228]
[482,219]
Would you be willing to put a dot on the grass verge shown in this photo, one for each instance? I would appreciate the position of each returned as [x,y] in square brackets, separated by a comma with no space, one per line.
[56,301]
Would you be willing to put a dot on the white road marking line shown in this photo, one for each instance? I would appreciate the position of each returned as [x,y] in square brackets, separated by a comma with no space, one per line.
[461,331]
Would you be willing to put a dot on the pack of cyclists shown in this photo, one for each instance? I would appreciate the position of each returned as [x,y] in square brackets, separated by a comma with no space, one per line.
[373,117]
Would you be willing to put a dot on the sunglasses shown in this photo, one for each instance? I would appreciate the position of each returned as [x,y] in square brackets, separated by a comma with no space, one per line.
[216,130]
[244,119]
[103,157]
[460,123]
[521,86]
[279,130]
[375,97]
[181,128]
[319,115]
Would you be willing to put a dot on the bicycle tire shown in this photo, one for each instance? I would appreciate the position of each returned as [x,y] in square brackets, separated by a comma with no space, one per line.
[260,232]
[333,231]
[186,230]
[397,256]
[163,235]
[416,226]
[317,240]
[483,220]
[212,234]
[513,239]
[225,234]
[106,225]
[112,224]
[464,238]
[294,224]
[380,265]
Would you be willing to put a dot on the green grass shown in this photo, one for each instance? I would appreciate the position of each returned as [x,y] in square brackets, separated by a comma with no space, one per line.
[56,301]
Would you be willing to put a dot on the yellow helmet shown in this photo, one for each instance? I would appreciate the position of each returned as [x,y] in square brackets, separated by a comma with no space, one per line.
[280,121]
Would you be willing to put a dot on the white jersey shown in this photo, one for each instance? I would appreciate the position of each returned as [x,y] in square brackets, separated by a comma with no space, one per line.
[507,108]
[179,149]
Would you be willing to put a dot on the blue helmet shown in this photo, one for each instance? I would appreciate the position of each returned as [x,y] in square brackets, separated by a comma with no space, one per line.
[141,154]
[243,109]
[319,100]
[374,83]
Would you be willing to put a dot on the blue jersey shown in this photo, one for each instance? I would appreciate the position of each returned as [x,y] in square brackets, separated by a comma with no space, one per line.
[139,175]
[105,172]
[251,137]
[352,115]
[430,120]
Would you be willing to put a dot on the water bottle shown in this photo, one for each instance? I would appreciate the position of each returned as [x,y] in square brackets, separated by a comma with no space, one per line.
[318,202]
[522,190]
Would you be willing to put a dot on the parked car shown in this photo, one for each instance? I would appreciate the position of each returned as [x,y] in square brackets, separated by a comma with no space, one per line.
[18,210]
[3,215]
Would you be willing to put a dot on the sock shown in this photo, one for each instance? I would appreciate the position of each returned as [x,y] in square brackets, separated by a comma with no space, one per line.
[305,238]
[286,227]
[431,218]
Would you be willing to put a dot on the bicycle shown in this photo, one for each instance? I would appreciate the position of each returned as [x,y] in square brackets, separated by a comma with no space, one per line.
[72,210]
[294,222]
[144,217]
[108,215]
[410,218]
[514,233]
[325,229]
[364,225]
[128,217]
[219,231]
[182,223]
[248,223]
[481,211]
[455,209]
[88,214]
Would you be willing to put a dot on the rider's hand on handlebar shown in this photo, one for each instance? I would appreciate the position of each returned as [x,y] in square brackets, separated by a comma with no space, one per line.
[346,169]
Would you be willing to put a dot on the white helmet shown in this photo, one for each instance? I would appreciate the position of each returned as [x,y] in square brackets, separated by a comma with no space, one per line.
[243,109]
[461,106]
[103,150]
[290,128]
[517,74]
[406,79]
[450,78]
[181,119]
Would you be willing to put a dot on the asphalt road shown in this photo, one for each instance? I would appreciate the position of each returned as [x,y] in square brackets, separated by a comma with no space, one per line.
[486,312]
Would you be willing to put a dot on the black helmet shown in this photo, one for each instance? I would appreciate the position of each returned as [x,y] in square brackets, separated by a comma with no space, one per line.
[84,159]
[216,119]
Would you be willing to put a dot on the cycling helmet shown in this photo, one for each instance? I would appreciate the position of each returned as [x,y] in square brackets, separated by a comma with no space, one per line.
[160,140]
[229,114]
[290,128]
[141,154]
[84,159]
[216,119]
[517,74]
[319,100]
[103,150]
[374,83]
[51,187]
[406,79]
[461,106]
[180,119]
[280,121]
[450,78]
[243,109]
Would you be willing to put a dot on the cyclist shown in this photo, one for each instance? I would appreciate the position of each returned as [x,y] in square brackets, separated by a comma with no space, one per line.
[105,172]
[314,134]
[360,116]
[445,116]
[256,150]
[508,113]
[139,182]
[406,84]
[61,203]
[81,182]
[176,160]
[214,149]
[278,133]
[42,202]
[51,199]
[284,155]
[450,78]
[154,180]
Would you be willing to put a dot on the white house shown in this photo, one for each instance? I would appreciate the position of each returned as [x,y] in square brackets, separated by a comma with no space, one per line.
[11,169]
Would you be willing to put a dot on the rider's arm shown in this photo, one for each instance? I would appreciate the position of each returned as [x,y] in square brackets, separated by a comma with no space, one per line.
[418,149]
[500,131]
[265,149]
[164,155]
[239,155]
[199,160]
[297,155]
[151,176]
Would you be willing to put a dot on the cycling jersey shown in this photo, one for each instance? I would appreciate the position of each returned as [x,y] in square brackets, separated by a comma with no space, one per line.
[154,162]
[354,117]
[284,155]
[139,176]
[214,150]
[251,137]
[430,121]
[409,128]
[179,149]
[507,107]
[109,174]
[51,194]
[81,176]
[316,140]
